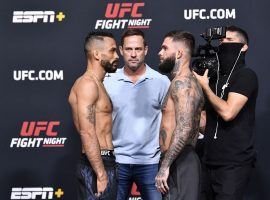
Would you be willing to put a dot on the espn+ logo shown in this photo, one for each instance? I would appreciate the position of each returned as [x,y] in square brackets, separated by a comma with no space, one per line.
[115,12]
[31,132]
[35,193]
[26,17]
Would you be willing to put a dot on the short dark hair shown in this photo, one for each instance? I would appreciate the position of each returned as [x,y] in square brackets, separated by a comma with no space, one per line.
[95,35]
[183,36]
[242,33]
[131,32]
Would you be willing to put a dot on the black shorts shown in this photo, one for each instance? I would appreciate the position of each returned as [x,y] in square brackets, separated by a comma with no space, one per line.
[184,178]
[87,180]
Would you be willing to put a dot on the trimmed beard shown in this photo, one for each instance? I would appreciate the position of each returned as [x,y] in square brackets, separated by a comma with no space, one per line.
[167,65]
[109,67]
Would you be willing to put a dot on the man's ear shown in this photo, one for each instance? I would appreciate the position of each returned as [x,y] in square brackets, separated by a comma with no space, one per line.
[96,54]
[179,54]
[244,48]
[146,50]
[121,50]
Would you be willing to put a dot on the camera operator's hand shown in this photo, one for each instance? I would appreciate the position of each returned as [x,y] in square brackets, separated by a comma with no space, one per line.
[203,80]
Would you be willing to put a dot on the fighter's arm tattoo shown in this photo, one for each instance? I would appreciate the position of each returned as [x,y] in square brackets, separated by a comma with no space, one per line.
[91,114]
[164,103]
[187,102]
[162,133]
[90,142]
[87,122]
[162,138]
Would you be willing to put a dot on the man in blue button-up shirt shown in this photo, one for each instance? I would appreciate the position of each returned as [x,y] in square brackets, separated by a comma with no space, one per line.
[137,93]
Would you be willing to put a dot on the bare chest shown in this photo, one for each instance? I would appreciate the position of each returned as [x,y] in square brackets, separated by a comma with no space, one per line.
[103,104]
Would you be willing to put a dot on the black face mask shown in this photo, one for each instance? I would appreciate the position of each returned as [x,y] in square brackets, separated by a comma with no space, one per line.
[227,55]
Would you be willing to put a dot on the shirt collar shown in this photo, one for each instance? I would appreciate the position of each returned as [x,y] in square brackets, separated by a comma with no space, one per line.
[147,75]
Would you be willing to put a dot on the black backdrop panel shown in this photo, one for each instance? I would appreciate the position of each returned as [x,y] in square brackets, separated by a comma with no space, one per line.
[42,54]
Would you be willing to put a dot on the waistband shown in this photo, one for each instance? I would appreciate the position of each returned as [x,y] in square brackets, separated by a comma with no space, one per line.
[107,153]
[107,156]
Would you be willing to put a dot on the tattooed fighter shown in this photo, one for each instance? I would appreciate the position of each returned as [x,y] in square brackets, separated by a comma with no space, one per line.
[92,115]
[178,176]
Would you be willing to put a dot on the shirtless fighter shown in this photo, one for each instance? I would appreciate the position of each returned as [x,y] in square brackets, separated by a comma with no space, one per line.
[92,115]
[178,176]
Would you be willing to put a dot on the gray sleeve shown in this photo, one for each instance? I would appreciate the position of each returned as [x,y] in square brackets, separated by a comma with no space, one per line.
[164,88]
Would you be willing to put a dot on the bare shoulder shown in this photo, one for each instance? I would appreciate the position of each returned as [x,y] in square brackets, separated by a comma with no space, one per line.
[187,85]
[181,83]
[85,87]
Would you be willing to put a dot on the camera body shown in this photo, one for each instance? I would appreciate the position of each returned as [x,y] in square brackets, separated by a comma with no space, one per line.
[205,56]
[214,33]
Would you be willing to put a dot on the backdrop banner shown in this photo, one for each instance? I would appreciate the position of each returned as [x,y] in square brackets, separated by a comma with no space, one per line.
[41,55]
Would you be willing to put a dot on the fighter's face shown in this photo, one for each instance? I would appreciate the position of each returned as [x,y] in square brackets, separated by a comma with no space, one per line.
[133,52]
[109,56]
[167,56]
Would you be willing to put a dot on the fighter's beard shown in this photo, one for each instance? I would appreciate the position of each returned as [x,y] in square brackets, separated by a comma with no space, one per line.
[167,65]
[109,67]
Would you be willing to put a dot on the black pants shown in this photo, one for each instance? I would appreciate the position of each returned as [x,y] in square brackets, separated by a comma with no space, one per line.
[184,176]
[87,180]
[224,183]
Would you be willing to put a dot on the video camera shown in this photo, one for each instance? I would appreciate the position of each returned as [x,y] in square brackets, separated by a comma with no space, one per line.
[205,56]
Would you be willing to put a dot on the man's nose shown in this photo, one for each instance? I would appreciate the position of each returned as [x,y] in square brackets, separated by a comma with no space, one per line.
[116,56]
[159,53]
[133,53]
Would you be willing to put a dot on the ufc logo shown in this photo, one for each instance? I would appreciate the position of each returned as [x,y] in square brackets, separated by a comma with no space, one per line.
[23,74]
[35,128]
[33,16]
[119,10]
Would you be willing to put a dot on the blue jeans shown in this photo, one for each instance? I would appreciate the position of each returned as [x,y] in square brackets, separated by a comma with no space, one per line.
[143,176]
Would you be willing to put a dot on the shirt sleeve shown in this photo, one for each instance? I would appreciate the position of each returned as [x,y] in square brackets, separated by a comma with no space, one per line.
[245,83]
[165,87]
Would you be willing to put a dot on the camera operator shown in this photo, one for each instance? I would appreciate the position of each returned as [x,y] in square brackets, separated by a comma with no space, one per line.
[229,154]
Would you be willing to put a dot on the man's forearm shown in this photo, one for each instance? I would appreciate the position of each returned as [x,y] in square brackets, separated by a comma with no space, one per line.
[165,133]
[179,141]
[220,106]
[162,139]
[92,150]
